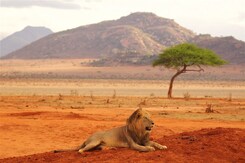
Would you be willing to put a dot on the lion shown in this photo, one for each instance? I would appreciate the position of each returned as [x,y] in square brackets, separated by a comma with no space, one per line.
[135,135]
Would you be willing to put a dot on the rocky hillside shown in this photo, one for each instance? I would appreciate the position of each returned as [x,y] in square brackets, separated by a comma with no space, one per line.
[22,38]
[138,33]
[165,31]
[228,48]
[135,38]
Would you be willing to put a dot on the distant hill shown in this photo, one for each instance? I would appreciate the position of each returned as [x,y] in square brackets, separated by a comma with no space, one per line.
[135,38]
[228,48]
[22,38]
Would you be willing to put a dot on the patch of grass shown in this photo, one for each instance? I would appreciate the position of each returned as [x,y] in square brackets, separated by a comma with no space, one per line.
[187,96]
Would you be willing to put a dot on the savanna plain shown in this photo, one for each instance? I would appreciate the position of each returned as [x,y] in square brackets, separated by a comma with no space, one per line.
[54,104]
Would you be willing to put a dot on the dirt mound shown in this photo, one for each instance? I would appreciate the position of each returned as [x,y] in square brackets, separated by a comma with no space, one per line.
[206,145]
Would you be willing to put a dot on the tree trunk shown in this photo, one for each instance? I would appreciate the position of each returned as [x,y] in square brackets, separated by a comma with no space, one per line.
[172,81]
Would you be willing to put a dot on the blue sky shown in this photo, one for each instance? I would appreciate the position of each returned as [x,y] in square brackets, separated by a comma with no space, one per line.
[216,17]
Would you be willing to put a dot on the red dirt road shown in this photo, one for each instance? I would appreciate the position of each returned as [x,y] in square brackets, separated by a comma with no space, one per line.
[206,145]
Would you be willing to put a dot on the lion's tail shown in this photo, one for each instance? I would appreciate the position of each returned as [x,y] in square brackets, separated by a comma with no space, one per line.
[71,149]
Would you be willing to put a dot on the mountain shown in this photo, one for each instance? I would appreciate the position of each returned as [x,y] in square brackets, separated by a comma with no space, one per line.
[138,33]
[22,38]
[228,48]
[135,38]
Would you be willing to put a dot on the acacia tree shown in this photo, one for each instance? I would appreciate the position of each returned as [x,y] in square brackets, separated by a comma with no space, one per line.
[183,56]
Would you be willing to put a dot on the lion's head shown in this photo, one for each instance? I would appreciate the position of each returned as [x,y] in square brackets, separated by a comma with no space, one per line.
[140,124]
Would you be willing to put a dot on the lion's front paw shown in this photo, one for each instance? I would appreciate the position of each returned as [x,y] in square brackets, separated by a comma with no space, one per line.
[150,148]
[80,151]
[162,147]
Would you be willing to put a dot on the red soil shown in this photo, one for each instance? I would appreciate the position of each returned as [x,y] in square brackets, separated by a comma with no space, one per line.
[30,126]
[205,145]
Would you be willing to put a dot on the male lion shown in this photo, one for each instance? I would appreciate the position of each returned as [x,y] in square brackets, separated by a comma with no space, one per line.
[134,135]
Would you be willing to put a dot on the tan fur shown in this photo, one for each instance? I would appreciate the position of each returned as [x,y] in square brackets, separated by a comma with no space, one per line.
[134,135]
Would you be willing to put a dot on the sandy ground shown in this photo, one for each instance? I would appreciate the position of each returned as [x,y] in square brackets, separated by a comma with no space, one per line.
[39,124]
[102,87]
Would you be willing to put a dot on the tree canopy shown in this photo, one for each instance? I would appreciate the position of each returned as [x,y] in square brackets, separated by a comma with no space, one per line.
[187,55]
[183,56]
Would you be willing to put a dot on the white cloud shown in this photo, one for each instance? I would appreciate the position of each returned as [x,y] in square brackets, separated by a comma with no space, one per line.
[59,4]
[93,1]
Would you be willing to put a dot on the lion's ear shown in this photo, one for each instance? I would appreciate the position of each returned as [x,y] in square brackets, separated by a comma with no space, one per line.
[139,109]
[138,116]
[139,113]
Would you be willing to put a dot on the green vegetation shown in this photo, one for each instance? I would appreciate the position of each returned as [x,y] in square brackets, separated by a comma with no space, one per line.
[183,56]
[128,59]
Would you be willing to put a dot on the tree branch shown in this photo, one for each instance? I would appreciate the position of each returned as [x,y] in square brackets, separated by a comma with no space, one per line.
[199,70]
[194,70]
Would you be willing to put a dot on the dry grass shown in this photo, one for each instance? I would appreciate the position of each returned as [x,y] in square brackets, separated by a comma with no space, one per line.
[174,108]
[73,68]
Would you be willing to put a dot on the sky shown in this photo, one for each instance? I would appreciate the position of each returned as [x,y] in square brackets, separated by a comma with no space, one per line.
[215,17]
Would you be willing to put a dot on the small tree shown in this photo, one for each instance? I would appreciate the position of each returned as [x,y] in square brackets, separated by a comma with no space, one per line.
[183,56]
